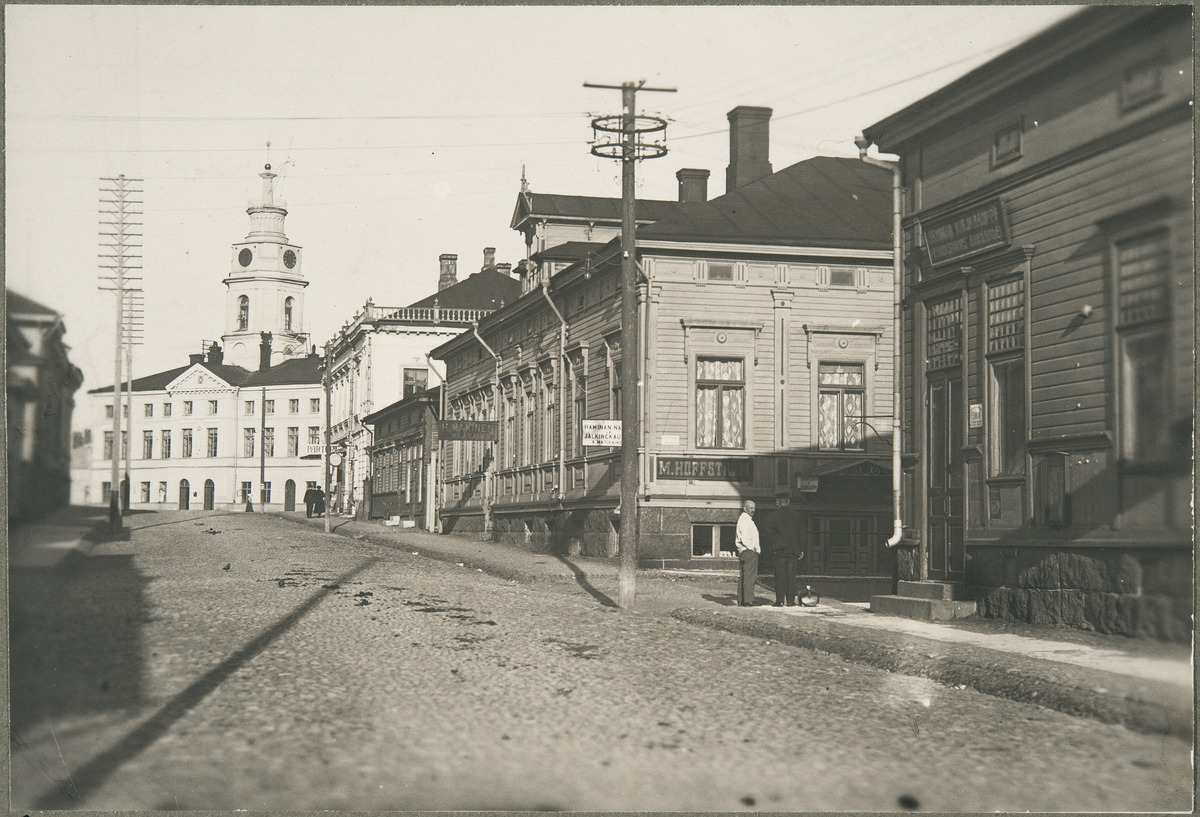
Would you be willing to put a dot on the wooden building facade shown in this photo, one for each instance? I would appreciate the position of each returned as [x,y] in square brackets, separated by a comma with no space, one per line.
[1048,325]
[402,483]
[765,363]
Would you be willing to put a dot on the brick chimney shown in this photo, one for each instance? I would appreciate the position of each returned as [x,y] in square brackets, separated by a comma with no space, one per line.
[489,258]
[693,185]
[504,269]
[449,274]
[749,139]
[196,358]
[264,352]
[215,355]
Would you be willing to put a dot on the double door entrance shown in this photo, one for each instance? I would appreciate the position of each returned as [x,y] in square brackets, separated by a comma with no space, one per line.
[945,494]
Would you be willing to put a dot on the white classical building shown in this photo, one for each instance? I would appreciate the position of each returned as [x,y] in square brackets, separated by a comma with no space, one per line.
[381,356]
[234,424]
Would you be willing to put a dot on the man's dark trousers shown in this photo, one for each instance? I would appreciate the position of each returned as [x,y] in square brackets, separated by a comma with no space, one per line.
[785,577]
[748,562]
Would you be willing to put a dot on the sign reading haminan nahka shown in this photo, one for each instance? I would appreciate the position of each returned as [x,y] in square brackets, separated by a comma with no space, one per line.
[477,430]
[602,432]
[727,470]
[964,234]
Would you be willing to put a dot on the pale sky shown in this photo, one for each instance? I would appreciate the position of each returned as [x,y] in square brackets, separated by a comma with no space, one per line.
[401,132]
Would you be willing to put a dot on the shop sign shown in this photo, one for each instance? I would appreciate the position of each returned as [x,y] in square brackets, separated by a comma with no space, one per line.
[975,416]
[964,234]
[727,470]
[476,430]
[602,432]
[808,485]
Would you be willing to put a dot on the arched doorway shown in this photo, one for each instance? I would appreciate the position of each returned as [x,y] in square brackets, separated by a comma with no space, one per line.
[289,495]
[185,495]
[210,493]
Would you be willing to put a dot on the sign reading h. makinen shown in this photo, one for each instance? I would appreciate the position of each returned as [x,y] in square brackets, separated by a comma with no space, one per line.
[728,470]
[479,430]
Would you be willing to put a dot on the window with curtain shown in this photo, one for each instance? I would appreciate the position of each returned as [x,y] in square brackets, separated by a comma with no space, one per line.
[840,401]
[720,403]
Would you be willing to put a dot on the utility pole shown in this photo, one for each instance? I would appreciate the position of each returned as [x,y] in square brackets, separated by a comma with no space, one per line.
[327,381]
[131,330]
[635,143]
[120,244]
[262,453]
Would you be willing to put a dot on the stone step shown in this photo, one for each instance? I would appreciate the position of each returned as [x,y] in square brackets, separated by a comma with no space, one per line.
[941,591]
[922,609]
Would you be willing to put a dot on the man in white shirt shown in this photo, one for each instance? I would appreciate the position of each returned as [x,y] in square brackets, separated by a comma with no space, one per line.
[748,551]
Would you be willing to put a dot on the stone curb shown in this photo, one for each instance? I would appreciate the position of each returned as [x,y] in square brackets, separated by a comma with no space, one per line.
[1001,675]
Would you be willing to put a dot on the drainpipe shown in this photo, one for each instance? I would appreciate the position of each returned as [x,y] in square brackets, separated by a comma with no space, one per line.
[562,390]
[489,483]
[433,520]
[863,145]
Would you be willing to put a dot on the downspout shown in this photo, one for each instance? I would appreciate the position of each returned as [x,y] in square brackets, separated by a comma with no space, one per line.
[897,396]
[489,483]
[433,520]
[562,390]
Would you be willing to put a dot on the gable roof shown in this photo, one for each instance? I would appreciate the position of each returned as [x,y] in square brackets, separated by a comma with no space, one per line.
[485,289]
[597,208]
[18,304]
[233,375]
[825,201]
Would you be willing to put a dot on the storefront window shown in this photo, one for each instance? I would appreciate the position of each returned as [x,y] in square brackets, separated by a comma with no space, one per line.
[1006,416]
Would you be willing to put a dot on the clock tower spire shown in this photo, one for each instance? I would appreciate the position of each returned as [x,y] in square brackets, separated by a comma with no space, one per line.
[264,290]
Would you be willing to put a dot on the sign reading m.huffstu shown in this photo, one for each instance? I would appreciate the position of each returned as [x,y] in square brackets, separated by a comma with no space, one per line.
[728,470]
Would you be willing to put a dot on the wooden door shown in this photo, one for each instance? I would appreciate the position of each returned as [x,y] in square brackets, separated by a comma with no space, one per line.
[289,495]
[210,495]
[185,495]
[944,447]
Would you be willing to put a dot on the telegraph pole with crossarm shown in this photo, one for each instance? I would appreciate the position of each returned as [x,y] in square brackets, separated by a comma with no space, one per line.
[637,141]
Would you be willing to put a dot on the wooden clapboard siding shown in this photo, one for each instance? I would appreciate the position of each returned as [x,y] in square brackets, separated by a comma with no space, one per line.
[1058,116]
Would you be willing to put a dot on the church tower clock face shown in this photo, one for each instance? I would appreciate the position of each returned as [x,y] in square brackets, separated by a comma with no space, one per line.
[264,293]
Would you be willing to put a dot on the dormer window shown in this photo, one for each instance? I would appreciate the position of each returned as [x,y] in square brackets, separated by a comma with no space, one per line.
[243,313]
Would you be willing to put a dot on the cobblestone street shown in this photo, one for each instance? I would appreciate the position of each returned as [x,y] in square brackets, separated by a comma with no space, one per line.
[241,661]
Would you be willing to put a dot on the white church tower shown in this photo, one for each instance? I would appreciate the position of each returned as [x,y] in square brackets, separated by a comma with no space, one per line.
[264,299]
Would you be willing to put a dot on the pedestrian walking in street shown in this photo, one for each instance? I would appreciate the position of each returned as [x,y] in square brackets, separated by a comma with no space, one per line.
[748,550]
[784,535]
[319,503]
[310,501]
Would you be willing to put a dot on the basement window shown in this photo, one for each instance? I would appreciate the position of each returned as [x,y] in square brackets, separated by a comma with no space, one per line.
[709,541]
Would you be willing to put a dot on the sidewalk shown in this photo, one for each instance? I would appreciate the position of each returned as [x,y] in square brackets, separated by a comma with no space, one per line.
[46,542]
[1142,684]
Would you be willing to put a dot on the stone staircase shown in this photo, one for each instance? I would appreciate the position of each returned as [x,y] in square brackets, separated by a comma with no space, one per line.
[926,601]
